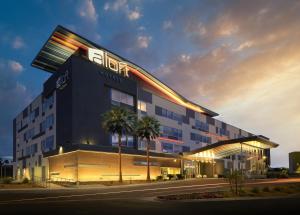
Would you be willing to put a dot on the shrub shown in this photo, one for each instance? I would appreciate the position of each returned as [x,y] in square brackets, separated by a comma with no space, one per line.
[159,178]
[7,180]
[283,174]
[266,189]
[170,176]
[179,176]
[255,190]
[25,181]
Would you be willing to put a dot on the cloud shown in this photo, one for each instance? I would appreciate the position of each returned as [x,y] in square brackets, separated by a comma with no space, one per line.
[244,45]
[245,66]
[88,11]
[143,41]
[18,43]
[133,15]
[167,25]
[124,7]
[15,66]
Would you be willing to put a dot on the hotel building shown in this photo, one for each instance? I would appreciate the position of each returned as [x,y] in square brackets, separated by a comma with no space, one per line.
[59,135]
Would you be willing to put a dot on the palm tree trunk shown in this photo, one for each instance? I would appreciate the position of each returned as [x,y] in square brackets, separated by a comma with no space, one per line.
[148,163]
[120,159]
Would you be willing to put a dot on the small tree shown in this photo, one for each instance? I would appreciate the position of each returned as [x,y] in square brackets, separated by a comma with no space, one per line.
[236,181]
[119,121]
[148,128]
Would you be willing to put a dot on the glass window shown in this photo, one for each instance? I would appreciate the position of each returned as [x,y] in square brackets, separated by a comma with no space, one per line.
[167,147]
[142,106]
[119,97]
[115,141]
[48,144]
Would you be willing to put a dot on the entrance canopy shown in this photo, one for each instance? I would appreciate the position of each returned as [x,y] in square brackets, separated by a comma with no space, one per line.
[226,148]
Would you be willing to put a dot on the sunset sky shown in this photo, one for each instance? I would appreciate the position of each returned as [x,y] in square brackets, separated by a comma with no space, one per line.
[240,59]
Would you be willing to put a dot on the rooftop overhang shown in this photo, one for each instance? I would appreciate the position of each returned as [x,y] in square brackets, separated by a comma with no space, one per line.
[226,148]
[63,43]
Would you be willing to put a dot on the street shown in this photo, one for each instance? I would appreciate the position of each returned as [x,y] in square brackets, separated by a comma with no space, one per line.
[141,198]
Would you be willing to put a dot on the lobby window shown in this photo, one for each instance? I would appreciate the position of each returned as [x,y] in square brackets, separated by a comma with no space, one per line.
[142,145]
[142,106]
[167,147]
[114,140]
[119,98]
[171,133]
[48,144]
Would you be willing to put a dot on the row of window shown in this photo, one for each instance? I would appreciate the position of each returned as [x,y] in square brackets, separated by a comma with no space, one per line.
[168,114]
[169,132]
[171,148]
[119,98]
[200,138]
[47,104]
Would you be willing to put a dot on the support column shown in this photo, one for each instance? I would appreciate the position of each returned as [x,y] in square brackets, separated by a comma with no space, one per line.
[77,169]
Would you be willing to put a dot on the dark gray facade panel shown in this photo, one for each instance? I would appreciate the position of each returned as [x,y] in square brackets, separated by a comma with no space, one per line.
[190,113]
[145,96]
[224,125]
[210,120]
[83,101]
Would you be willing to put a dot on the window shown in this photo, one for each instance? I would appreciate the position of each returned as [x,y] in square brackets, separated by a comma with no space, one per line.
[168,114]
[142,106]
[167,147]
[33,149]
[202,126]
[115,141]
[48,103]
[48,144]
[28,134]
[119,98]
[47,123]
[200,138]
[172,133]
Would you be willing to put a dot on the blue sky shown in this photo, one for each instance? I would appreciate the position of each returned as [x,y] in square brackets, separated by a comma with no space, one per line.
[238,58]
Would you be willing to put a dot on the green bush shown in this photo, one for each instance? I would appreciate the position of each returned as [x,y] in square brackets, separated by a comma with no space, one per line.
[7,180]
[255,190]
[159,178]
[266,189]
[25,181]
[283,174]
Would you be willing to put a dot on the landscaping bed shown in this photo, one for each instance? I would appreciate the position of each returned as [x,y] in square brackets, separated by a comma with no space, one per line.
[267,191]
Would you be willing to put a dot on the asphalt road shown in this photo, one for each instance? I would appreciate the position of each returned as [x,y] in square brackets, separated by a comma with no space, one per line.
[135,199]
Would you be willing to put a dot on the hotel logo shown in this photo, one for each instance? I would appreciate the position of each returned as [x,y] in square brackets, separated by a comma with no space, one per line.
[101,57]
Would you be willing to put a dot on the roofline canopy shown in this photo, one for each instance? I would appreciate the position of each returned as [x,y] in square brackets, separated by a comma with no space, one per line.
[62,43]
[230,147]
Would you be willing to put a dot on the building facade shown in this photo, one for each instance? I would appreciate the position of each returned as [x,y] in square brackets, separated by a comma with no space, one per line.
[294,162]
[60,134]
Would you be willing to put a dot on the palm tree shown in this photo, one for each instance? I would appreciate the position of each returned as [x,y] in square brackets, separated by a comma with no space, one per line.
[148,128]
[119,121]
